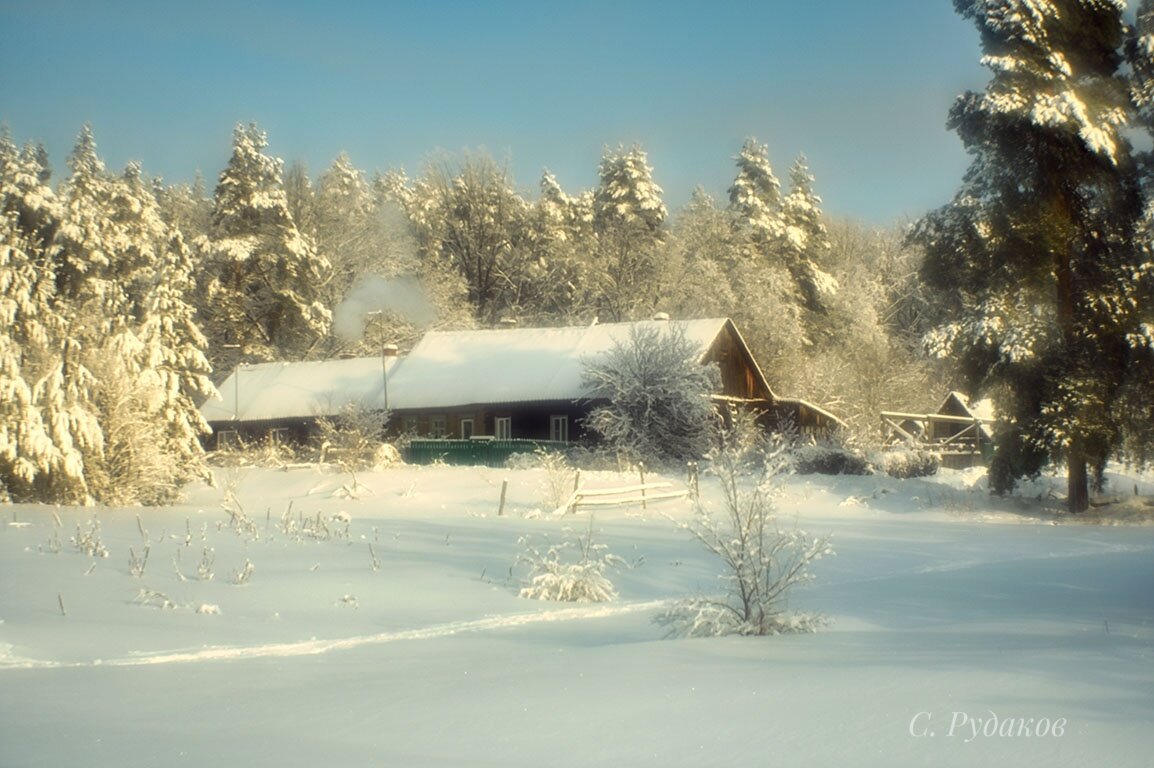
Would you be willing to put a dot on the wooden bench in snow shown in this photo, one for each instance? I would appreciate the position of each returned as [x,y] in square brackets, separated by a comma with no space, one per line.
[642,494]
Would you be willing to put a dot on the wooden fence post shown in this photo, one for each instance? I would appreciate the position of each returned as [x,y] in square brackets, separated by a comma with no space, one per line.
[576,487]
[504,488]
[641,467]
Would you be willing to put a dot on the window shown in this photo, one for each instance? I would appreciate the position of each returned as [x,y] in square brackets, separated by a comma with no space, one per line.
[503,427]
[410,425]
[559,428]
[466,429]
[278,436]
[437,426]
[228,439]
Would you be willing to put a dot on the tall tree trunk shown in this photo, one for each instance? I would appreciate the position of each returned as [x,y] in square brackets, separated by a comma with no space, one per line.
[1077,487]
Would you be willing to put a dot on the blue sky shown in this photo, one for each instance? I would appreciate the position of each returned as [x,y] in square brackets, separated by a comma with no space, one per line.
[862,88]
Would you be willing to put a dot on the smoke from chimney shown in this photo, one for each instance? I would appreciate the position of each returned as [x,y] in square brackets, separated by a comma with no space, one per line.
[404,296]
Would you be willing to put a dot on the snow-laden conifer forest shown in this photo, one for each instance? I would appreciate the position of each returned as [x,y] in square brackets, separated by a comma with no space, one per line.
[162,603]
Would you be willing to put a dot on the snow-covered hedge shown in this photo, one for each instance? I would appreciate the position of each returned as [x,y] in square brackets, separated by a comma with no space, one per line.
[907,463]
[825,459]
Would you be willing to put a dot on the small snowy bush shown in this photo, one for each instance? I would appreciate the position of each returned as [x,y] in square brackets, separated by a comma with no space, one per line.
[570,571]
[826,459]
[762,560]
[560,477]
[904,464]
[353,438]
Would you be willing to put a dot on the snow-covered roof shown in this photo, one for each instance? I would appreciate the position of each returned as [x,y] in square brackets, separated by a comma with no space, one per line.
[454,368]
[445,369]
[299,390]
[979,409]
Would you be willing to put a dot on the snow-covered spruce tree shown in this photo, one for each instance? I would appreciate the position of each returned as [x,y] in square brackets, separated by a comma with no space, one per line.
[173,359]
[261,278]
[150,367]
[658,394]
[1037,257]
[755,195]
[762,560]
[804,240]
[40,435]
[768,302]
[87,306]
[628,219]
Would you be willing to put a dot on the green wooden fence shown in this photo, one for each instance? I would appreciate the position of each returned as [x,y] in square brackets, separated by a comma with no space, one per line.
[488,453]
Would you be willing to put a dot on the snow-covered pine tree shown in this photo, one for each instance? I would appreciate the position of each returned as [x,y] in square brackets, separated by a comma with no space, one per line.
[261,276]
[768,304]
[1035,255]
[803,242]
[755,195]
[34,462]
[629,221]
[152,371]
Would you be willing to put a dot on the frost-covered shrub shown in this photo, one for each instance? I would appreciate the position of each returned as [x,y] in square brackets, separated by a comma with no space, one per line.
[705,617]
[572,570]
[257,453]
[353,438]
[826,459]
[904,464]
[659,396]
[560,477]
[762,559]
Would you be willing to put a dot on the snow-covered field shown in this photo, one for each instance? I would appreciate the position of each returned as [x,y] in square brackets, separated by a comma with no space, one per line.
[965,632]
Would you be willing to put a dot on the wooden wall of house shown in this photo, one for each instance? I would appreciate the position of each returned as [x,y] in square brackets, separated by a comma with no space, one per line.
[739,373]
[529,421]
[228,434]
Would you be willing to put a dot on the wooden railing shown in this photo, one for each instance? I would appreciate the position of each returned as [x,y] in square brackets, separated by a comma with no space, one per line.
[968,438]
[640,494]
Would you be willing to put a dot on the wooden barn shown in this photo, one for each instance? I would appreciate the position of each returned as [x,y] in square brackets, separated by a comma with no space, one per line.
[505,384]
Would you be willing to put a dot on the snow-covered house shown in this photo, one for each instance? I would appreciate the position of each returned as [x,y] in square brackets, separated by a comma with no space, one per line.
[282,401]
[506,383]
